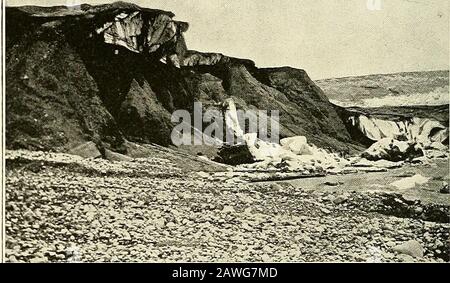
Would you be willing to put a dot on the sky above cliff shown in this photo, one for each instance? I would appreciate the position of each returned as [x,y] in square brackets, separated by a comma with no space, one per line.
[327,38]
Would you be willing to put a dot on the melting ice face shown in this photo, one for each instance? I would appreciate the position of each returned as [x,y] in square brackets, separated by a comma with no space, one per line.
[233,127]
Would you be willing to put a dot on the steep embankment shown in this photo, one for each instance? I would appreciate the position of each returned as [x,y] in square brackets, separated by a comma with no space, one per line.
[401,89]
[116,72]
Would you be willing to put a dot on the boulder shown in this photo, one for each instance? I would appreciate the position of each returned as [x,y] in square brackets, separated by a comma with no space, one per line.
[410,182]
[228,209]
[114,156]
[86,150]
[262,150]
[412,248]
[445,189]
[341,199]
[253,150]
[405,258]
[393,150]
[298,145]
[235,155]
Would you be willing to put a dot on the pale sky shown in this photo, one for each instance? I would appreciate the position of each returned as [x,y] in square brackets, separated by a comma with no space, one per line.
[327,38]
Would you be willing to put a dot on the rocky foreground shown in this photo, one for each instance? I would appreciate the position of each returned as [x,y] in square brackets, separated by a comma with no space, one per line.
[61,208]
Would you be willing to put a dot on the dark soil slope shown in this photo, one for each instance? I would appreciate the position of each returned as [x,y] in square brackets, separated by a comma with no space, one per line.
[67,84]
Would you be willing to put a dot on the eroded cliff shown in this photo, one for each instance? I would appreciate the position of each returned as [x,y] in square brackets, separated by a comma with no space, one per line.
[117,72]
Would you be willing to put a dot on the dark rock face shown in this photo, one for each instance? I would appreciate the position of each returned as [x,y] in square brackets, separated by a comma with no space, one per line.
[52,99]
[116,72]
[307,109]
[235,155]
[87,150]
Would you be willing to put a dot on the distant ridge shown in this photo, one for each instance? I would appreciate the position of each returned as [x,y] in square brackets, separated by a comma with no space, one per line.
[397,89]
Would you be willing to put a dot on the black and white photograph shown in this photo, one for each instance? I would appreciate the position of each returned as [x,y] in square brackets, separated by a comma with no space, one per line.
[225,131]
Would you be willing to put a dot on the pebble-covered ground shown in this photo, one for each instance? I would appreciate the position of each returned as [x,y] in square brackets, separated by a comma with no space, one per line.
[65,209]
